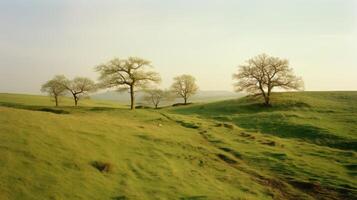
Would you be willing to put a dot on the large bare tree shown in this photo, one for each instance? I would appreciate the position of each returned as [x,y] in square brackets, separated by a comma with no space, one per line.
[55,88]
[184,86]
[79,87]
[127,74]
[261,74]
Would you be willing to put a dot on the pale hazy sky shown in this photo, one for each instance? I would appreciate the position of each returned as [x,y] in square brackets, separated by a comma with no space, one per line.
[205,38]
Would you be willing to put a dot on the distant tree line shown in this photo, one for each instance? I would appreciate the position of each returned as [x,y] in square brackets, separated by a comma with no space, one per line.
[257,77]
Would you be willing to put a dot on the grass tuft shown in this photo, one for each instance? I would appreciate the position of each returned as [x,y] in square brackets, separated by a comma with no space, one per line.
[102,166]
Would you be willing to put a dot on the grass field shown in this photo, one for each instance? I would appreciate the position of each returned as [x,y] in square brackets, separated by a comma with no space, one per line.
[304,147]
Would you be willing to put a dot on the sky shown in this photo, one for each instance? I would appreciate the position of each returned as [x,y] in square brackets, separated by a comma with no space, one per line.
[208,39]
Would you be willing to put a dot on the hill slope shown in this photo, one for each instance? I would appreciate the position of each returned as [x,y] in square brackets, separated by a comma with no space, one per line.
[104,151]
[324,118]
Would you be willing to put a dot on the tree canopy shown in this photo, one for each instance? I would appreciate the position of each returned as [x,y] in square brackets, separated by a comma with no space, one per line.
[156,96]
[261,74]
[184,86]
[79,87]
[127,75]
[55,88]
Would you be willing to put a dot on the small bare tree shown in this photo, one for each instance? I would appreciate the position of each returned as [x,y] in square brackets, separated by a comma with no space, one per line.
[127,74]
[55,88]
[156,96]
[79,87]
[261,74]
[184,86]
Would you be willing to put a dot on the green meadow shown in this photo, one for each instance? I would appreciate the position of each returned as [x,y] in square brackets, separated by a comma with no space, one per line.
[302,147]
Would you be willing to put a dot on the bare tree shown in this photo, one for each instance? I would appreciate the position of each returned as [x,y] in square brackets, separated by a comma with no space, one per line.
[261,74]
[156,96]
[127,74]
[55,88]
[79,87]
[184,86]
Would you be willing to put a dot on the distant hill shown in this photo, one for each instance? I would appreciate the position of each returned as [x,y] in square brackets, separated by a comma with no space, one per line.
[201,96]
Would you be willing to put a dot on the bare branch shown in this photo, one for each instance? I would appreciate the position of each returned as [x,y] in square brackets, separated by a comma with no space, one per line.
[127,74]
[263,73]
[184,86]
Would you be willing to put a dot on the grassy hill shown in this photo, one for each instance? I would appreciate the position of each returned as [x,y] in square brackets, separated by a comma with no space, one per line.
[223,150]
[324,118]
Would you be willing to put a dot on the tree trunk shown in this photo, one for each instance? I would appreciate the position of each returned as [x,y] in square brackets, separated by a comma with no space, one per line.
[267,100]
[132,98]
[185,98]
[267,97]
[75,100]
[56,100]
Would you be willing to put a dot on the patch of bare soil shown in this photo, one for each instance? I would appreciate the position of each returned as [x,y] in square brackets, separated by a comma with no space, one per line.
[324,193]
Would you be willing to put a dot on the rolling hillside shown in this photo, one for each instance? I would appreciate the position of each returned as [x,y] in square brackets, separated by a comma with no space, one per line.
[223,150]
[324,118]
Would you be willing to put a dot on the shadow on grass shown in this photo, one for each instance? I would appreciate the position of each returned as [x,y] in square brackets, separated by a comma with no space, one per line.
[194,198]
[120,198]
[102,109]
[188,124]
[278,126]
[34,108]
[247,105]
[57,110]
